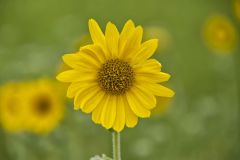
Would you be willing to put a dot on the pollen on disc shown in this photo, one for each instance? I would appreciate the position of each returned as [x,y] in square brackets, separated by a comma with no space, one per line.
[115,76]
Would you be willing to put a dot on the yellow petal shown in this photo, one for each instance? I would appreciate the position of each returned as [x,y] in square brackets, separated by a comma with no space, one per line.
[81,61]
[72,60]
[148,65]
[144,97]
[95,50]
[131,118]
[96,32]
[147,50]
[91,104]
[89,60]
[109,112]
[132,44]
[154,77]
[159,90]
[128,29]
[77,105]
[120,115]
[75,87]
[97,112]
[112,37]
[83,95]
[75,76]
[136,106]
[69,76]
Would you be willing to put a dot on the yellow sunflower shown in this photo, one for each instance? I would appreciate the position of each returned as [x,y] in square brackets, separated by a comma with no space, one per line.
[12,111]
[114,78]
[220,34]
[45,107]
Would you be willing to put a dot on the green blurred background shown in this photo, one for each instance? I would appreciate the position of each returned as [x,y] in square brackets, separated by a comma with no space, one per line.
[202,122]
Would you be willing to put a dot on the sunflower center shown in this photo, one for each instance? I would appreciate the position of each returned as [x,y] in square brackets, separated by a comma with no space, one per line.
[115,76]
[42,105]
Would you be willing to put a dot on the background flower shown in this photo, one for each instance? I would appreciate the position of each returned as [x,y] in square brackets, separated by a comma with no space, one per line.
[220,34]
[45,105]
[36,106]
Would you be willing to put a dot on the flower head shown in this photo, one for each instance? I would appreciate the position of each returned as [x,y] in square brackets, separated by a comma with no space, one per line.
[114,78]
[45,107]
[34,106]
[220,34]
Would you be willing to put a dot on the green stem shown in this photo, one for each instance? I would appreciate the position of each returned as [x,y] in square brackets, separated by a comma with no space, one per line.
[116,145]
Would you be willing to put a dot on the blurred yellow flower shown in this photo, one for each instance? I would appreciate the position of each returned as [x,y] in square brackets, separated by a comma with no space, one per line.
[34,106]
[12,110]
[220,34]
[45,105]
[161,34]
[114,78]
[237,8]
